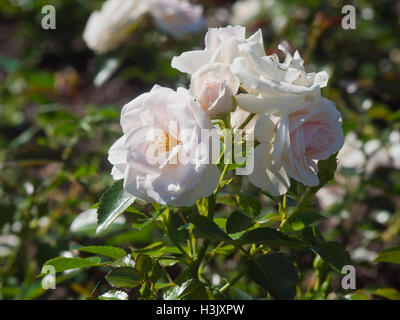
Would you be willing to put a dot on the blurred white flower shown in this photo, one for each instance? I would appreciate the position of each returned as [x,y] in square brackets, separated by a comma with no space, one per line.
[177,17]
[371,155]
[7,244]
[243,12]
[246,11]
[394,148]
[351,155]
[214,86]
[330,195]
[160,156]
[382,156]
[107,28]
[361,254]
[279,22]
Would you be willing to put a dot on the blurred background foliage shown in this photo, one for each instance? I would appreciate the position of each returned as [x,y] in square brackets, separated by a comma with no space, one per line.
[59,114]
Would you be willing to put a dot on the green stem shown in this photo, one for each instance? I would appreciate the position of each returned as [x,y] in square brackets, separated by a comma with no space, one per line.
[175,242]
[246,122]
[232,282]
[305,197]
[221,179]
[210,215]
[211,255]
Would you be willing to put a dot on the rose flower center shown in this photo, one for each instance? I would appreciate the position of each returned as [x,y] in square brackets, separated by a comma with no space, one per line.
[166,142]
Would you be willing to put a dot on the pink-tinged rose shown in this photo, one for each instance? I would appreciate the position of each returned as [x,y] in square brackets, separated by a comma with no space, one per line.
[161,155]
[214,87]
[291,144]
[310,133]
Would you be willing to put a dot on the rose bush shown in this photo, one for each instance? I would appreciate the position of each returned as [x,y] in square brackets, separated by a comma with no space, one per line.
[256,234]
[163,160]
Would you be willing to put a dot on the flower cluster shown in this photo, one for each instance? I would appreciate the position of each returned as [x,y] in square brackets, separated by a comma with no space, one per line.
[108,28]
[293,124]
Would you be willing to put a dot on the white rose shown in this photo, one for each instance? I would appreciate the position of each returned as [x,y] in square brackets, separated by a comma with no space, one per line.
[292,144]
[214,86]
[177,17]
[267,77]
[164,125]
[267,174]
[107,28]
[223,45]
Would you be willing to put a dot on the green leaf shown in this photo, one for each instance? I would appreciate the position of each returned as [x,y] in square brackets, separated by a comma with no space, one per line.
[150,249]
[357,295]
[62,264]
[144,264]
[142,223]
[248,204]
[202,206]
[326,170]
[274,273]
[189,290]
[107,251]
[242,295]
[227,199]
[125,261]
[391,255]
[388,293]
[311,235]
[238,222]
[112,204]
[303,218]
[114,295]
[332,253]
[156,272]
[123,278]
[148,268]
[205,228]
[268,236]
[175,292]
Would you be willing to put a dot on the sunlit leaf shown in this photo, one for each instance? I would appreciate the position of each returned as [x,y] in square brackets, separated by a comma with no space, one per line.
[112,204]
